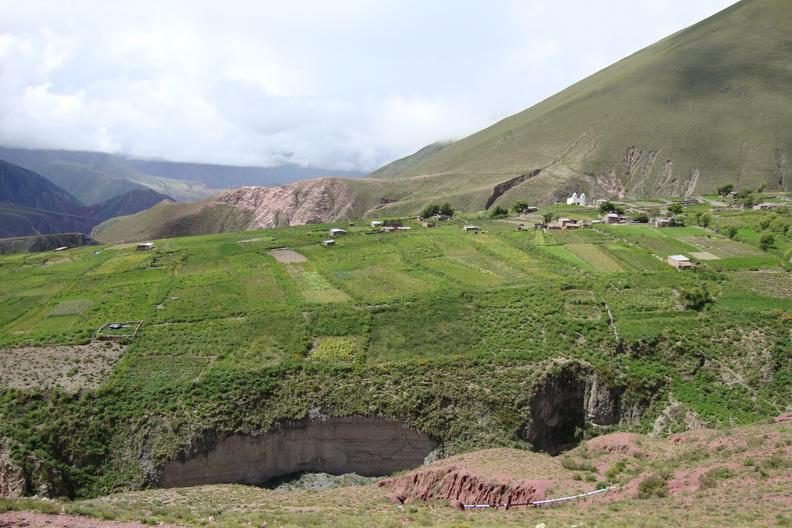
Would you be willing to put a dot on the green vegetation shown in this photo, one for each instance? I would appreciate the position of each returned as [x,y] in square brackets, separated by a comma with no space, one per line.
[439,328]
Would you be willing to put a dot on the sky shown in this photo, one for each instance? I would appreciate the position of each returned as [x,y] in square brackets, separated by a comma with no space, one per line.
[346,84]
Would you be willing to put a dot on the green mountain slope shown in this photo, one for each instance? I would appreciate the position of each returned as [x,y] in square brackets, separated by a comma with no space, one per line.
[396,168]
[708,105]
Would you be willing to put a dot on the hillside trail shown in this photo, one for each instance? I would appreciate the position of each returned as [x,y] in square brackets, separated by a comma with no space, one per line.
[45,520]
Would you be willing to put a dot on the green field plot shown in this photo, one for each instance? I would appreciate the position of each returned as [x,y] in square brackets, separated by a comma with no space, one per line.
[71,307]
[469,270]
[344,349]
[596,257]
[566,255]
[375,284]
[635,258]
[769,283]
[432,326]
[653,240]
[313,286]
[722,247]
[121,262]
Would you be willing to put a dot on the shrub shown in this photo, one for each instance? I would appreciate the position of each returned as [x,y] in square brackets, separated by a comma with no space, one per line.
[653,486]
[499,212]
[726,189]
[696,298]
[710,478]
[520,207]
[766,241]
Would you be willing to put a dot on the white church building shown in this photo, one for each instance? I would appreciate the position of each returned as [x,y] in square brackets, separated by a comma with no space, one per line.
[577,199]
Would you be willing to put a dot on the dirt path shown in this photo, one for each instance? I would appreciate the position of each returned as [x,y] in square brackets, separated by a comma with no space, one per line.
[43,520]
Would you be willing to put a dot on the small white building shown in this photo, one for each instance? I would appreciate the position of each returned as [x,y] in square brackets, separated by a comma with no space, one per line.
[577,199]
[471,229]
[145,246]
[62,248]
[403,228]
[376,224]
[337,231]
[679,262]
[328,243]
[572,200]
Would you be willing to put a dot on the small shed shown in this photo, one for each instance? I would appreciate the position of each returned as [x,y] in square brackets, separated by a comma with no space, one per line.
[146,246]
[471,229]
[376,224]
[662,222]
[679,262]
[337,231]
[328,243]
[614,218]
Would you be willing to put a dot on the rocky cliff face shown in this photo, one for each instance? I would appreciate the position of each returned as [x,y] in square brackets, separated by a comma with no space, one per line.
[12,481]
[309,202]
[354,444]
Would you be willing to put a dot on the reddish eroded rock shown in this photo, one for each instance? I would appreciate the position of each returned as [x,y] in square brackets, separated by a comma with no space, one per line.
[624,443]
[461,486]
[786,417]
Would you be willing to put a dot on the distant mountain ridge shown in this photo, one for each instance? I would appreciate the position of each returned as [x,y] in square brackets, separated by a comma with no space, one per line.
[94,177]
[32,205]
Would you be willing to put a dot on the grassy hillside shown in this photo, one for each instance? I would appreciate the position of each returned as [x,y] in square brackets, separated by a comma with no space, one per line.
[445,331]
[706,106]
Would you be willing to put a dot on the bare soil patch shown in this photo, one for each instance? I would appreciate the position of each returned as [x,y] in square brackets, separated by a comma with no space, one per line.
[68,367]
[287,256]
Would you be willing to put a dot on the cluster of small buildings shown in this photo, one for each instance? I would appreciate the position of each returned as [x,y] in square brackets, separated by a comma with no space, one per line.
[565,223]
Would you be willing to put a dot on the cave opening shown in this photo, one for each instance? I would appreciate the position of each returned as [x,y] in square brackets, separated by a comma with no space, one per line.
[365,446]
[557,413]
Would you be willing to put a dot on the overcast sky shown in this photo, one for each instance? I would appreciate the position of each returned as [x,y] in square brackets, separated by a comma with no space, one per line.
[345,84]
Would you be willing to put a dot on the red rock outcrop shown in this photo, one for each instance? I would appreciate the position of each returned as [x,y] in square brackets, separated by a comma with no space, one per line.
[461,486]
[306,202]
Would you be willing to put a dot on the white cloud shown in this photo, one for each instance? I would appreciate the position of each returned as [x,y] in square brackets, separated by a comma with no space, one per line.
[348,84]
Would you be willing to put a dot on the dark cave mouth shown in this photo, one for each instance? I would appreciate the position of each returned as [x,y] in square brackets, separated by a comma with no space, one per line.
[558,415]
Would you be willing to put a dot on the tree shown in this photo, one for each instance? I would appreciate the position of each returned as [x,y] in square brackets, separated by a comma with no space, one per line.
[675,209]
[696,298]
[766,241]
[446,209]
[725,190]
[548,217]
[520,207]
[430,210]
[607,207]
[641,218]
[499,212]
[704,220]
[731,231]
